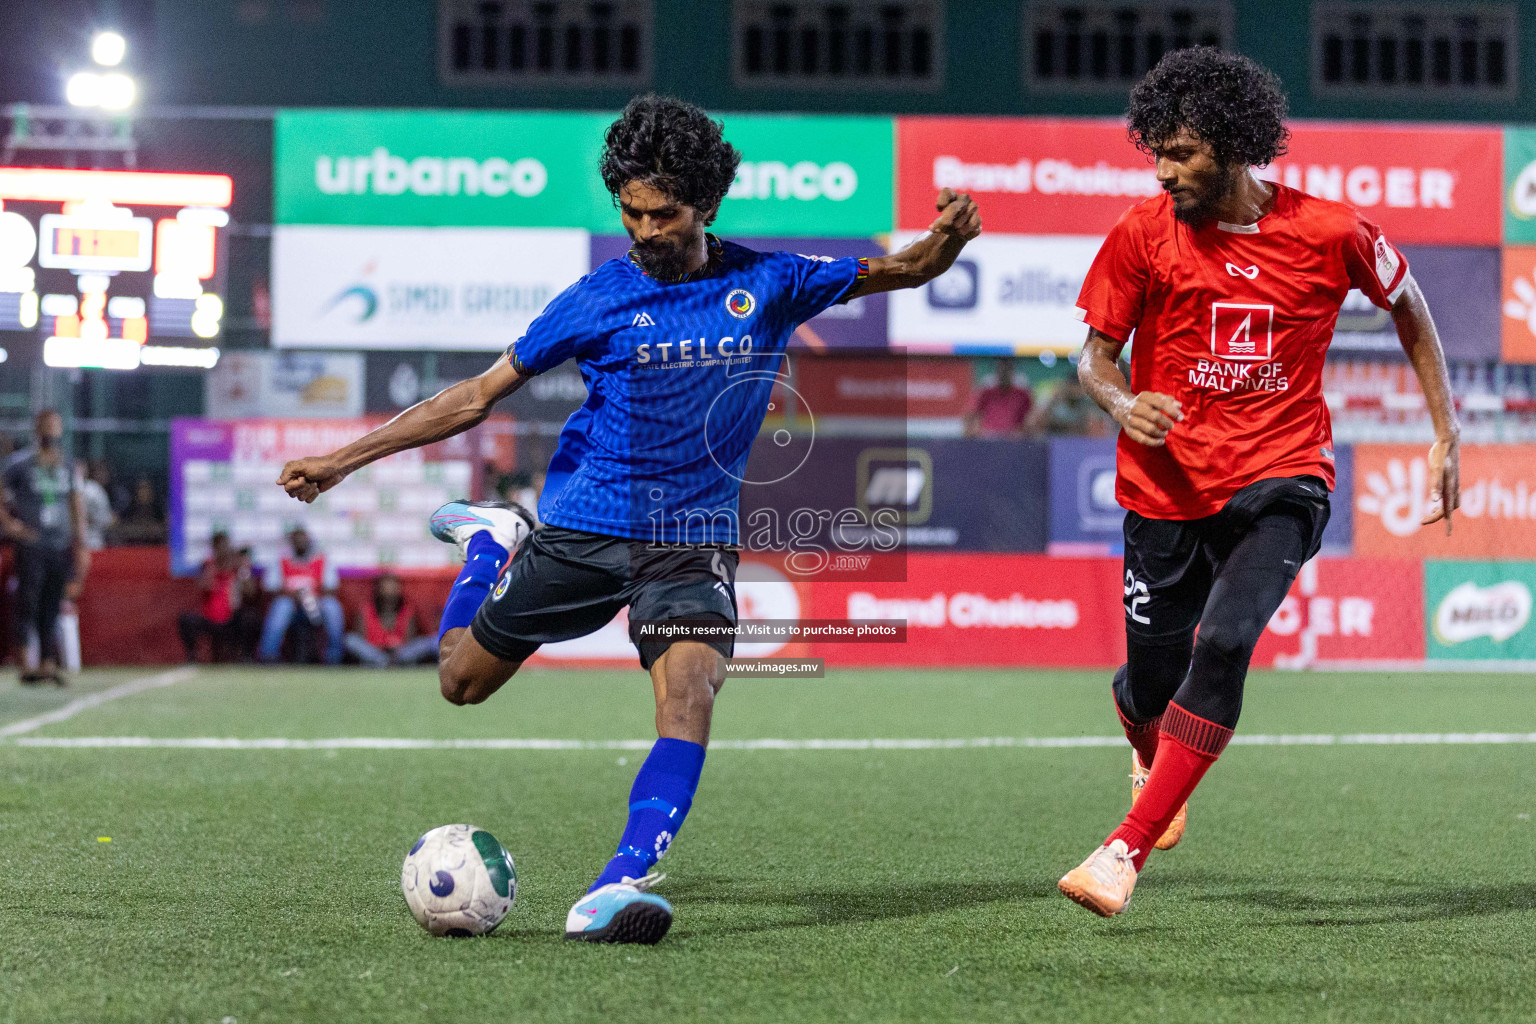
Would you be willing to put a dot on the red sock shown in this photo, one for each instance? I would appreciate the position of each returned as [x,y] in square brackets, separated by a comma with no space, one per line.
[1143,737]
[1187,747]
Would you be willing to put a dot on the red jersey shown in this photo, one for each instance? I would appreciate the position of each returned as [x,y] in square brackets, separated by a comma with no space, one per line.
[1233,321]
[387,639]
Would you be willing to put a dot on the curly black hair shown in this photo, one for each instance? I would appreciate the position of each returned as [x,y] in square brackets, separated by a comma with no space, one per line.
[1224,99]
[673,146]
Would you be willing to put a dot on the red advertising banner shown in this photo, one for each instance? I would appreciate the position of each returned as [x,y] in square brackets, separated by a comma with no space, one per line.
[980,609]
[1422,184]
[1497,519]
[1347,609]
[1032,176]
[897,388]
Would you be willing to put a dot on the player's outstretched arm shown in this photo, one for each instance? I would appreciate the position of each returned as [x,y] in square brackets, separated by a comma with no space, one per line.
[1146,417]
[958,222]
[1421,343]
[451,411]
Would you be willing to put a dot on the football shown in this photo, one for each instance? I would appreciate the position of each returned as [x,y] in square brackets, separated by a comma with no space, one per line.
[458,881]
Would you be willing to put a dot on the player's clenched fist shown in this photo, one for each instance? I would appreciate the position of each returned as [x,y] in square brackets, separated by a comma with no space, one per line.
[958,215]
[307,479]
[1149,416]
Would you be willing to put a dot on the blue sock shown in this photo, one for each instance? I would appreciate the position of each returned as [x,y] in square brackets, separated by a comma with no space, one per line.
[483,560]
[658,802]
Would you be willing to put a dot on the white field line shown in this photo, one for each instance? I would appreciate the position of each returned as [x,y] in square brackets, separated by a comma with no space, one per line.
[962,743]
[96,700]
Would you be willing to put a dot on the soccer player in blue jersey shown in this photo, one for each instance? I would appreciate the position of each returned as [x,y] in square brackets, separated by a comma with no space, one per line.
[678,343]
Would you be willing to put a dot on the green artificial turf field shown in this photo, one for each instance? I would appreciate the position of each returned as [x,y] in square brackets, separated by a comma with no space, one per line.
[1351,882]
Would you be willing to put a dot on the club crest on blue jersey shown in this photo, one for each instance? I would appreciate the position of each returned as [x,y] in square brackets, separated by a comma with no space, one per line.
[740,303]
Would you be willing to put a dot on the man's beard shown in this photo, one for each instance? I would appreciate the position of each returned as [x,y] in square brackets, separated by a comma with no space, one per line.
[662,260]
[1207,197]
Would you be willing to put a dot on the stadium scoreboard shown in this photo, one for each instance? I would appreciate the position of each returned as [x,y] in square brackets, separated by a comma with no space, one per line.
[113,269]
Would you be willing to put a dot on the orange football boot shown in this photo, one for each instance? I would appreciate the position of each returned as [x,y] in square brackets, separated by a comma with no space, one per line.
[1102,883]
[1175,831]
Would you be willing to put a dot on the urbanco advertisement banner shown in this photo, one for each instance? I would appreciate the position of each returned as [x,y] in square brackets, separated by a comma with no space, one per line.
[416,288]
[810,176]
[440,168]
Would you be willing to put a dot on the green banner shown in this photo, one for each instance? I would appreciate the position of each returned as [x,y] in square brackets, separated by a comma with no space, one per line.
[822,177]
[800,176]
[1480,610]
[441,168]
[1520,185]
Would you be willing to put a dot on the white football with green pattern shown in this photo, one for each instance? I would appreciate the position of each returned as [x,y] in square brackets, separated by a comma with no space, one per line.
[458,881]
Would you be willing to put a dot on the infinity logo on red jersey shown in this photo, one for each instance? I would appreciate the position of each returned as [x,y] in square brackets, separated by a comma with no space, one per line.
[1242,331]
[1249,272]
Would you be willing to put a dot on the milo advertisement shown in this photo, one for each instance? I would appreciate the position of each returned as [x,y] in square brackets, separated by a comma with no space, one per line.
[1480,610]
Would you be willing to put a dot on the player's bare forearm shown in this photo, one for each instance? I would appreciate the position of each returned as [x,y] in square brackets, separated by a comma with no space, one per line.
[1421,343]
[451,411]
[1146,417]
[927,257]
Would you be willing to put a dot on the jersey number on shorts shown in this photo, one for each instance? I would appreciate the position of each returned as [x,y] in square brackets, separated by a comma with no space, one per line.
[1135,596]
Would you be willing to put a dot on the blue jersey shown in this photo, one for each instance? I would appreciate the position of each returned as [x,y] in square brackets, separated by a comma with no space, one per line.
[678,377]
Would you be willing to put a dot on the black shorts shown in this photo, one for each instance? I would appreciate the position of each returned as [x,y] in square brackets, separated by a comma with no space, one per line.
[563,584]
[1170,564]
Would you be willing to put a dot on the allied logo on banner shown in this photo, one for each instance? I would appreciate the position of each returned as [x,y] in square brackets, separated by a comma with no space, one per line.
[1469,611]
[1019,290]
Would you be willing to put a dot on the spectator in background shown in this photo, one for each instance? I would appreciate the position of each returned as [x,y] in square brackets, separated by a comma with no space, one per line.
[99,516]
[224,583]
[43,514]
[523,488]
[387,629]
[304,582]
[142,521]
[1001,410]
[1069,411]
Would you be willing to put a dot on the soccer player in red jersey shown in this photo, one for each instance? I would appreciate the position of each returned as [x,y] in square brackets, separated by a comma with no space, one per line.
[1231,286]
